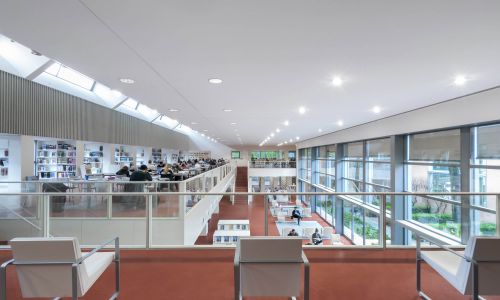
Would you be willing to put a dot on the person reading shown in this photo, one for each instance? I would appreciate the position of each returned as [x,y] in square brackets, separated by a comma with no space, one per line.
[293,233]
[296,214]
[316,237]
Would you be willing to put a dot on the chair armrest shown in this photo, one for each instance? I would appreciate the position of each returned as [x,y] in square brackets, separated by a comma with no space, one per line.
[236,257]
[442,246]
[116,240]
[305,260]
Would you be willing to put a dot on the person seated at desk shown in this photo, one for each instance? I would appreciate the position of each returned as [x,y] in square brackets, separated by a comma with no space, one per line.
[161,165]
[151,166]
[316,237]
[141,174]
[296,214]
[293,233]
[123,171]
[167,172]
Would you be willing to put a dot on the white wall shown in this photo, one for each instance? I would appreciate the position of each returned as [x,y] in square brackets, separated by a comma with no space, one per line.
[476,108]
[217,150]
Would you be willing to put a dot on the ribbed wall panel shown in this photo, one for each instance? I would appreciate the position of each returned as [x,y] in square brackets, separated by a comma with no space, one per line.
[29,108]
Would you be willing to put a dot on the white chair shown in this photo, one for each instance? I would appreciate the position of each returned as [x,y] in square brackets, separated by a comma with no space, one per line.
[472,272]
[327,233]
[336,239]
[55,267]
[308,232]
[307,212]
[270,267]
[281,217]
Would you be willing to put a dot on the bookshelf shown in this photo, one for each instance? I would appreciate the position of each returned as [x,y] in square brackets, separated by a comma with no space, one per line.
[140,158]
[156,155]
[93,156]
[123,155]
[55,159]
[4,160]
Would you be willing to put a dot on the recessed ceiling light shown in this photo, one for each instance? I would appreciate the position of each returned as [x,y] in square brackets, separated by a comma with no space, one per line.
[278,130]
[320,130]
[337,81]
[377,109]
[234,123]
[291,140]
[202,134]
[297,138]
[173,109]
[302,110]
[205,130]
[272,134]
[215,80]
[340,122]
[286,123]
[227,110]
[286,142]
[460,80]
[127,80]
[194,123]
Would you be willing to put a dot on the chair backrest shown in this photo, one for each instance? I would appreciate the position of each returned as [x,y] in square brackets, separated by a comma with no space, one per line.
[272,249]
[308,232]
[484,250]
[307,211]
[47,280]
[270,266]
[336,239]
[327,232]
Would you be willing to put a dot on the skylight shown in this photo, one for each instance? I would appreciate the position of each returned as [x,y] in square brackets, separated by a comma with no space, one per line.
[70,75]
[147,112]
[111,97]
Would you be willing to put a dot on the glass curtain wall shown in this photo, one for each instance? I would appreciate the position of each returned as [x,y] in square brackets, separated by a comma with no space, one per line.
[484,177]
[367,168]
[432,164]
[324,177]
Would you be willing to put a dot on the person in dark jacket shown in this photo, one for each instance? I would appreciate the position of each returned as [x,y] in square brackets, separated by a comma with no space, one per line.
[123,171]
[141,174]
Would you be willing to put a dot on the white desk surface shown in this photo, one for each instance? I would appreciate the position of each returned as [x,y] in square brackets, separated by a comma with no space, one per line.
[233,222]
[232,233]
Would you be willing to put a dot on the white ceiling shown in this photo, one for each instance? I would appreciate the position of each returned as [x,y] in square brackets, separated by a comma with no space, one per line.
[273,56]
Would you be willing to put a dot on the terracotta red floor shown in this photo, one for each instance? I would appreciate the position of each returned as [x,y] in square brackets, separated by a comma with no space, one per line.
[208,274]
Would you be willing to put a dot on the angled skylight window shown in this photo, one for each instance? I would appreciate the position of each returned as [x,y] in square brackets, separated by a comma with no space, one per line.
[167,122]
[18,59]
[146,112]
[53,69]
[109,96]
[70,75]
[130,103]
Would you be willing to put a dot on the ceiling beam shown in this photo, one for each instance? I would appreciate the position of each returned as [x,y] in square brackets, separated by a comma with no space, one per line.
[39,70]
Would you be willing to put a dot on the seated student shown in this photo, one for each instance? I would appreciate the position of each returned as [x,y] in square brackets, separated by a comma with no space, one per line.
[123,171]
[296,214]
[139,175]
[151,166]
[167,172]
[293,233]
[316,237]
